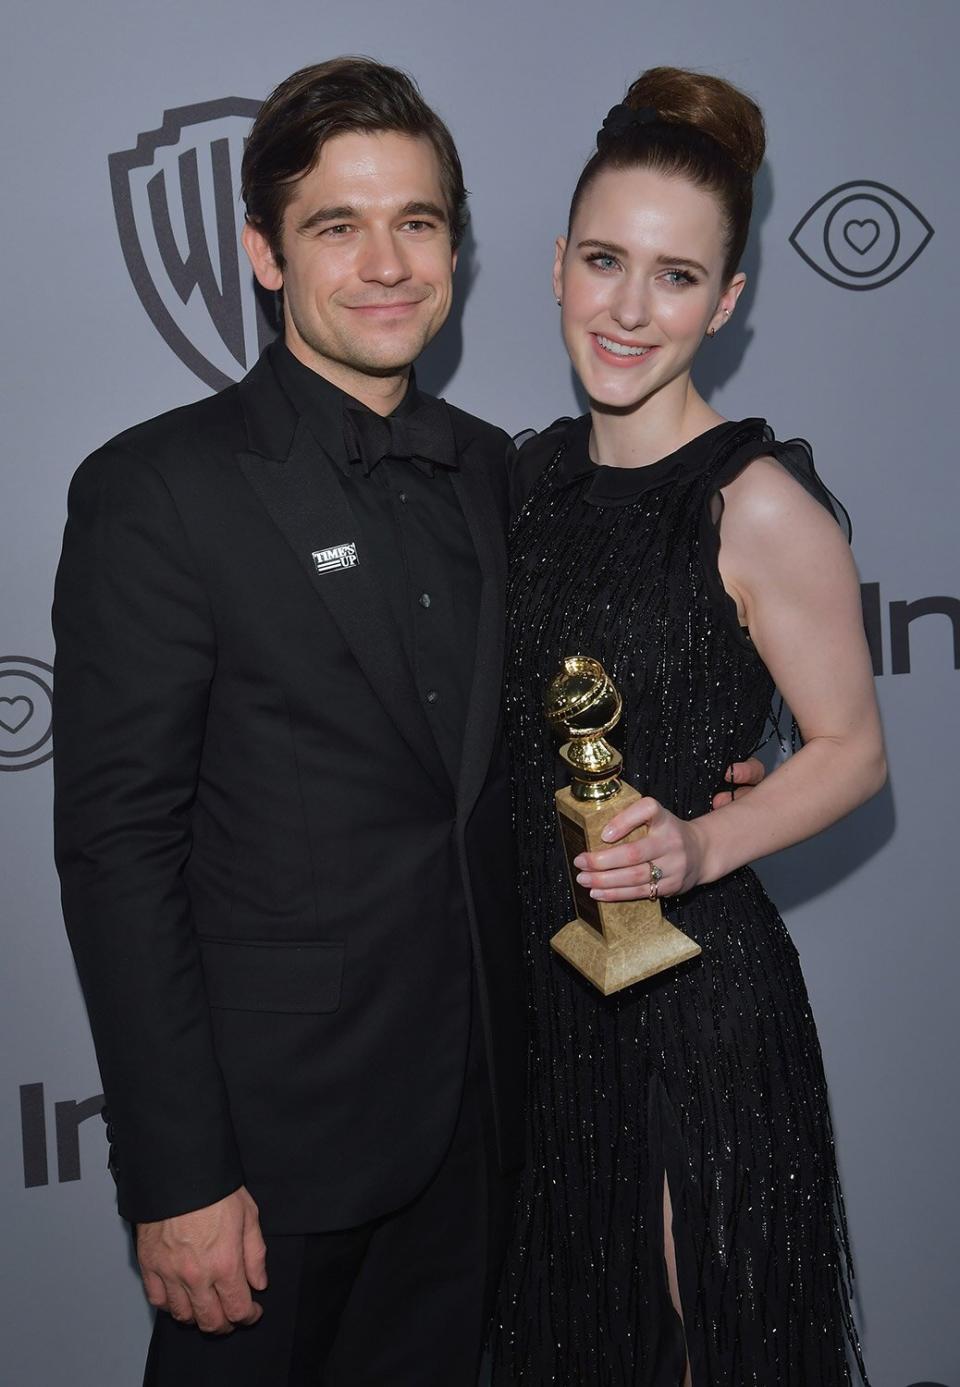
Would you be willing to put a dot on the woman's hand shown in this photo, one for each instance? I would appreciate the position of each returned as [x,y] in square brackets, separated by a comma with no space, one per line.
[624,873]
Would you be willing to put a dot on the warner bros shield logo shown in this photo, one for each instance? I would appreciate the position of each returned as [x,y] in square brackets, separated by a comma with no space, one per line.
[176,196]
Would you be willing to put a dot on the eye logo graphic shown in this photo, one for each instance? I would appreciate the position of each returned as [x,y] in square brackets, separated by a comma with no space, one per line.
[25,712]
[861,235]
[176,196]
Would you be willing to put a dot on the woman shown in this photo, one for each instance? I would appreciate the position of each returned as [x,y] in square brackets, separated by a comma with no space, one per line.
[680,1216]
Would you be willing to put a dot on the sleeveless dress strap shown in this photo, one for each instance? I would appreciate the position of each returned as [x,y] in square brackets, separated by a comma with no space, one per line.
[796,456]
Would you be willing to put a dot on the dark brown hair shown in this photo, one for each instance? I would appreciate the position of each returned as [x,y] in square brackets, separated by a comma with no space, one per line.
[317,103]
[697,127]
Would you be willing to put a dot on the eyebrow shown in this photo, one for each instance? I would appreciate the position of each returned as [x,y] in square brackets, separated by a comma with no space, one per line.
[424,209]
[603,245]
[345,213]
[614,249]
[682,260]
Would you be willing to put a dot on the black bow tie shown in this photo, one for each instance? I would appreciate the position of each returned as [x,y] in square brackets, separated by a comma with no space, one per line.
[424,437]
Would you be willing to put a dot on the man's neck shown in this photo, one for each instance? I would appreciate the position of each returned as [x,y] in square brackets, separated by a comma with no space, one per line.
[381,394]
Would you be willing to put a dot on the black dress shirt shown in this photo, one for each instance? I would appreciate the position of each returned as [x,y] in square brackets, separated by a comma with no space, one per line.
[412,531]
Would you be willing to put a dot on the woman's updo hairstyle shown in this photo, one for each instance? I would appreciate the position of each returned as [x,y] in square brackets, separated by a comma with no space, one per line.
[693,126]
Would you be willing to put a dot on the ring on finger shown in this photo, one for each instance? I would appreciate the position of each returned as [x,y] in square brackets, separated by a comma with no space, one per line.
[654,891]
[656,874]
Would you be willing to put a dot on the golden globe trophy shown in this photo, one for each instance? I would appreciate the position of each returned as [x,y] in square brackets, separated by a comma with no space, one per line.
[613,943]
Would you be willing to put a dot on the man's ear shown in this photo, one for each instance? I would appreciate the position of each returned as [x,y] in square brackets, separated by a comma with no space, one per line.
[261,257]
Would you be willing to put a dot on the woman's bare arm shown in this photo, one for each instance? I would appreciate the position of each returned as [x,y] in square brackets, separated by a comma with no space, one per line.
[787,565]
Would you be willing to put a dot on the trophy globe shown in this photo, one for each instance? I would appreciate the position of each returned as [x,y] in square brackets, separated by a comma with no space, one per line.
[583,704]
[612,943]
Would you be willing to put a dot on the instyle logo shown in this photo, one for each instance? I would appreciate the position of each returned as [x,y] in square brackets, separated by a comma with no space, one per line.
[861,235]
[176,196]
[26,713]
[900,617]
[67,1115]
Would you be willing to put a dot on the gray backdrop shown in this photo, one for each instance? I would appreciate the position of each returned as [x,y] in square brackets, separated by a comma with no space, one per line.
[123,299]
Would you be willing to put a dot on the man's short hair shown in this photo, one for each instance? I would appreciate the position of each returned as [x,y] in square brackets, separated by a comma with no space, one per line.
[333,98]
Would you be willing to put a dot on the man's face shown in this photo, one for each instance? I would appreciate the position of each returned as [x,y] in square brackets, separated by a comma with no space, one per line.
[368,273]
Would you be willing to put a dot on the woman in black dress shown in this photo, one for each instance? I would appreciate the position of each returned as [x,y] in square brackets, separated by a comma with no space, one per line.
[680,1218]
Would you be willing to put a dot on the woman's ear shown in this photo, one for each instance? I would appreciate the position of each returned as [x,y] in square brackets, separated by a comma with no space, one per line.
[561,250]
[726,304]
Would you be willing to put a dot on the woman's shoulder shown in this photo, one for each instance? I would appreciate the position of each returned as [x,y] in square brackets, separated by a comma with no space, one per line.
[535,451]
[763,472]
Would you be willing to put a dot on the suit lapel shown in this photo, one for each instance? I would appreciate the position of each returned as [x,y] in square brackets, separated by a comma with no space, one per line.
[302,495]
[487,528]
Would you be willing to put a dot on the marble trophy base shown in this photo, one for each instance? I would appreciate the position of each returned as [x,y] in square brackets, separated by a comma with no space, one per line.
[612,943]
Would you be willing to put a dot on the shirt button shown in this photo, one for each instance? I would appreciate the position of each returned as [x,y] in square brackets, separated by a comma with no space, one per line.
[432,695]
[403,497]
[424,599]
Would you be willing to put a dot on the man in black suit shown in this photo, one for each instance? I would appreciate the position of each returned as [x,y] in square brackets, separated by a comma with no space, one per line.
[282,815]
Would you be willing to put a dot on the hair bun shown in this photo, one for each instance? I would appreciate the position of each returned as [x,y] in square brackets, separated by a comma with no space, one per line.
[710,104]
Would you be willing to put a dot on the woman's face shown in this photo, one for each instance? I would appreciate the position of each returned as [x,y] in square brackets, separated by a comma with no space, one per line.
[641,280]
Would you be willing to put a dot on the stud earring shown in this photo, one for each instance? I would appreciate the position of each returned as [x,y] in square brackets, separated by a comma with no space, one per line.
[711,332]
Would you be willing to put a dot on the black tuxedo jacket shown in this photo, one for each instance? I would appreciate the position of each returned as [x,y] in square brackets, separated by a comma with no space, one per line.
[276,896]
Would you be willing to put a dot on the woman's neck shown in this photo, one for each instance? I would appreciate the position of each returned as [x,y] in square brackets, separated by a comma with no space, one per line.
[658,426]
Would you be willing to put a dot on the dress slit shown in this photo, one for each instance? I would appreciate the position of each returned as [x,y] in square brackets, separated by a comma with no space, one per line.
[673,1274]
[665,1147]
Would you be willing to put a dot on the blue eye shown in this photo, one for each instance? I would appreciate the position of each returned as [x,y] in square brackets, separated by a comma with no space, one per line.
[602,260]
[861,235]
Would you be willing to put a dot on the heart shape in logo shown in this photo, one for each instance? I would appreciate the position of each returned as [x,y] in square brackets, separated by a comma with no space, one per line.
[862,236]
[12,722]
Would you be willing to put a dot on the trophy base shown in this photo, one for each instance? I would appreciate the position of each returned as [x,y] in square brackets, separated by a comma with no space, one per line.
[632,958]
[612,943]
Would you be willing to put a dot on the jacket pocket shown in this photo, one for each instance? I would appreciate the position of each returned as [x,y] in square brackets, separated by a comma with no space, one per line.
[265,976]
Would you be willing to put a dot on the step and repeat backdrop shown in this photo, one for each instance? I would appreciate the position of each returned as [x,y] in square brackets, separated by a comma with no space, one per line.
[126,294]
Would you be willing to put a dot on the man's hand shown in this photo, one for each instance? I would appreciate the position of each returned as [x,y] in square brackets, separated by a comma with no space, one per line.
[202,1266]
[744,775]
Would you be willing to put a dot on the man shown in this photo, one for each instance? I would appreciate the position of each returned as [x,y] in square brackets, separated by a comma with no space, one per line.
[283,827]
[282,818]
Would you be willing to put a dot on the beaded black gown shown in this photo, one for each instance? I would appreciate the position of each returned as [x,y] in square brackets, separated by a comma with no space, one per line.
[709,1076]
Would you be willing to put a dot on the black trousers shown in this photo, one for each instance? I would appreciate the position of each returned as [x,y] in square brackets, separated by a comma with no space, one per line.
[399,1302]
